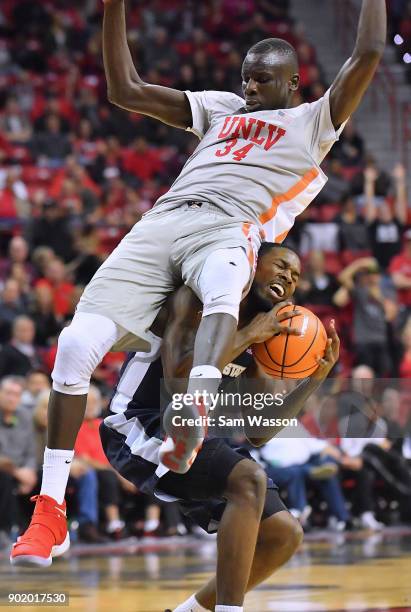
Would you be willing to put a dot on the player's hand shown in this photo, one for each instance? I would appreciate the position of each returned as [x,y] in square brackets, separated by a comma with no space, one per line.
[268,324]
[331,354]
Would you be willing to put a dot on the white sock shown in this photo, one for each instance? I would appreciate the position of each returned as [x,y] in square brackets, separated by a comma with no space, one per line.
[114,525]
[151,524]
[191,605]
[228,609]
[204,378]
[56,470]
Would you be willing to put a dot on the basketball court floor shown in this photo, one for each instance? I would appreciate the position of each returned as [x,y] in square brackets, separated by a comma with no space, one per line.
[357,572]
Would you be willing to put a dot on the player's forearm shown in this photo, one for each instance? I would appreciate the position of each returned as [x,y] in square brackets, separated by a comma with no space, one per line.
[372,29]
[244,338]
[292,405]
[119,68]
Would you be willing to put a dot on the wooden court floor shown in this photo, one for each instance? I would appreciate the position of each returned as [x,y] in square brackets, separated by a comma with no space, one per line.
[357,573]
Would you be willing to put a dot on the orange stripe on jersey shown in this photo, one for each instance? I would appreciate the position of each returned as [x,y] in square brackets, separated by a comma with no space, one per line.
[281,237]
[292,193]
[246,228]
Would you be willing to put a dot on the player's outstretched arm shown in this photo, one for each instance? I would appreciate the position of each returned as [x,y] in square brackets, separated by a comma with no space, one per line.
[125,88]
[294,400]
[357,73]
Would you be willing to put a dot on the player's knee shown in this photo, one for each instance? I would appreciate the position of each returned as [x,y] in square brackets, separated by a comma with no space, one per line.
[247,484]
[281,531]
[73,367]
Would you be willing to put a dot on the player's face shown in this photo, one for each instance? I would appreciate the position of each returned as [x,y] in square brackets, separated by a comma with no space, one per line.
[269,81]
[276,278]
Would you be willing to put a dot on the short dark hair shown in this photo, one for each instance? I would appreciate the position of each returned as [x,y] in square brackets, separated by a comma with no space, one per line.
[268,246]
[278,45]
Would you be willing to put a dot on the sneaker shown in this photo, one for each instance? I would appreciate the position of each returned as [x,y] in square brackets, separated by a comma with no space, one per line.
[335,525]
[89,533]
[180,449]
[368,521]
[46,536]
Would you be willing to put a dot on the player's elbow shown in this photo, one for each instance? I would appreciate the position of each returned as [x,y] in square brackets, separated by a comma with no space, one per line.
[371,55]
[126,96]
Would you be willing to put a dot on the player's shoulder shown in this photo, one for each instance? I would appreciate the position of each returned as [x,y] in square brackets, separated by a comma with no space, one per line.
[221,101]
[306,108]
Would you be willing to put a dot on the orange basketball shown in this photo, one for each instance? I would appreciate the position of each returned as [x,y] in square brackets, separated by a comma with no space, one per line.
[285,356]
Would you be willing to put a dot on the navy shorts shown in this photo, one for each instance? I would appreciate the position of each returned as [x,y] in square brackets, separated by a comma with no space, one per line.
[200,491]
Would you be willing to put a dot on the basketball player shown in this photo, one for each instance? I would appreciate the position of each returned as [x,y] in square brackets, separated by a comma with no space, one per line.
[224,489]
[256,168]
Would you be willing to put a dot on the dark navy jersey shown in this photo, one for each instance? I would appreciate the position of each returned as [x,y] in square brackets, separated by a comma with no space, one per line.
[135,409]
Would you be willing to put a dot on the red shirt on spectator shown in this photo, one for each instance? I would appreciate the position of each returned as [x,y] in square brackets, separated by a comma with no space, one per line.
[145,164]
[62,295]
[330,432]
[7,205]
[402,263]
[88,444]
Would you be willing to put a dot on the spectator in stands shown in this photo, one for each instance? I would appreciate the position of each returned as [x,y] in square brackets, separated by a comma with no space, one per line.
[14,123]
[52,229]
[353,235]
[20,355]
[400,269]
[142,161]
[374,308]
[336,186]
[13,196]
[405,365]
[89,450]
[160,53]
[293,459]
[48,324]
[37,382]
[350,147]
[52,144]
[86,263]
[18,253]
[55,279]
[316,287]
[321,420]
[12,305]
[382,183]
[385,227]
[17,454]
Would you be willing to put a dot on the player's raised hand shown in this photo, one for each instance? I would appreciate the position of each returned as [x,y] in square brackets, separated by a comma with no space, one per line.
[268,324]
[331,354]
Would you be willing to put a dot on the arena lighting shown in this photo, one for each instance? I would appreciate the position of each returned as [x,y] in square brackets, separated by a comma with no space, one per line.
[398,39]
[407,58]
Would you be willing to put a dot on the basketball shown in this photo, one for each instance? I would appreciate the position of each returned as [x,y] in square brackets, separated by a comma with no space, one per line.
[286,356]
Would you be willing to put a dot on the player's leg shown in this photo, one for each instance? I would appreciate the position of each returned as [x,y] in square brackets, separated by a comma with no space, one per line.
[278,539]
[81,347]
[279,534]
[224,276]
[245,494]
[219,472]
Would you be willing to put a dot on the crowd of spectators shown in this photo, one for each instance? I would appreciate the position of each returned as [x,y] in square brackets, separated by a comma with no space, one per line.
[76,173]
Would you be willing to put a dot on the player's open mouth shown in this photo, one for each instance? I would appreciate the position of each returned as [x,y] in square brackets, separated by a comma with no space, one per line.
[277,289]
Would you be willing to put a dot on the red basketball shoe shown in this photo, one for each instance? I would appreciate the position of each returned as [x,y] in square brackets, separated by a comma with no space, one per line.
[46,536]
